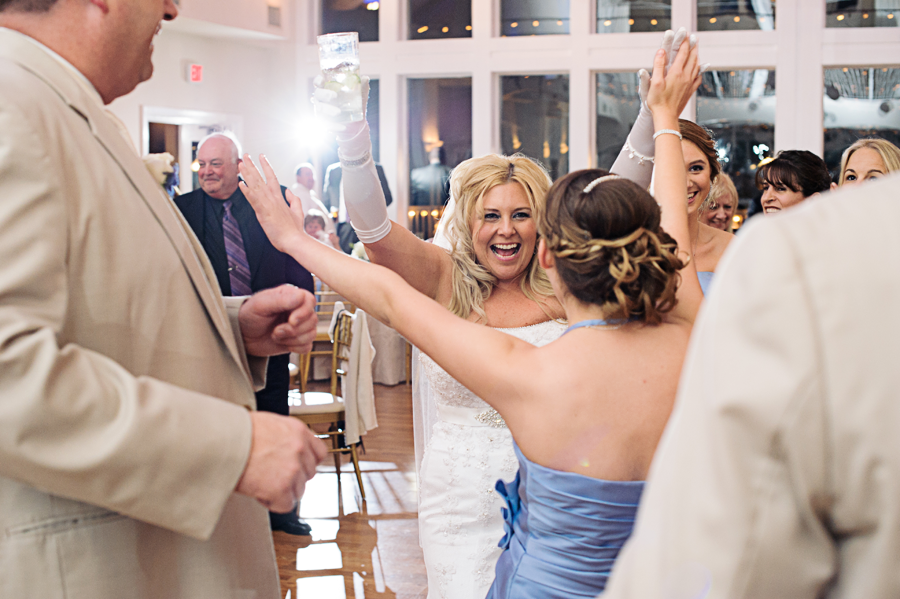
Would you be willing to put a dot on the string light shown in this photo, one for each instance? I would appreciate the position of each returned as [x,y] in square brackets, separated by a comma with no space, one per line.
[653,21]
[468,28]
[865,15]
[840,17]
[445,29]
[737,19]
[607,23]
[412,213]
[890,15]
[559,23]
[631,21]
[535,23]
[713,20]
[423,213]
[422,29]
[434,213]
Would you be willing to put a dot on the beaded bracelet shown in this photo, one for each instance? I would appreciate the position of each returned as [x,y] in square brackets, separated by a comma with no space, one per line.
[632,153]
[665,131]
[353,163]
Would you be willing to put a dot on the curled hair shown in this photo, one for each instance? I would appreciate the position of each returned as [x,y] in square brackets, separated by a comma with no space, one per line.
[723,187]
[472,283]
[703,139]
[609,248]
[889,153]
[799,170]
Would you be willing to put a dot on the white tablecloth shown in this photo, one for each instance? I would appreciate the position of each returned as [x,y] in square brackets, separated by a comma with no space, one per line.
[389,366]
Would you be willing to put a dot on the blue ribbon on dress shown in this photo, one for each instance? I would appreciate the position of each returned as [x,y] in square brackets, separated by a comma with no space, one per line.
[510,494]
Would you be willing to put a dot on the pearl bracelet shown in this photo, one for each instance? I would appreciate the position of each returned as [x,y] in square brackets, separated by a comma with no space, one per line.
[664,131]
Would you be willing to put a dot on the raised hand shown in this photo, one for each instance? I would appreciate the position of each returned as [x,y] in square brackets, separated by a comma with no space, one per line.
[671,86]
[281,223]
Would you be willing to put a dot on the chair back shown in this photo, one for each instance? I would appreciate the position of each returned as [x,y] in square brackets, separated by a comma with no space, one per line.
[343,337]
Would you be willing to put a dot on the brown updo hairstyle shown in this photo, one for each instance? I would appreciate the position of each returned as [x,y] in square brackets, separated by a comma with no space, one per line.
[609,248]
[702,138]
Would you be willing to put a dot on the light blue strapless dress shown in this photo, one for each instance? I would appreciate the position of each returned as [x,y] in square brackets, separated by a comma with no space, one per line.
[705,278]
[563,532]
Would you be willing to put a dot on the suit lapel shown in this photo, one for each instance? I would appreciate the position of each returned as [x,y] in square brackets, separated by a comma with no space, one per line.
[122,153]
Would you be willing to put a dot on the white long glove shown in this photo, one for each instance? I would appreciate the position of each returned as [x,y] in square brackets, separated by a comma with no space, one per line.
[635,161]
[364,199]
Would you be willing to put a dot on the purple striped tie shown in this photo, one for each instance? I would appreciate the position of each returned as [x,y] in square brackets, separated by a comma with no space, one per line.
[238,267]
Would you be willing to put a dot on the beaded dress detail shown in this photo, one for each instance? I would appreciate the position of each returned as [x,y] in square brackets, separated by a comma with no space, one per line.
[459,510]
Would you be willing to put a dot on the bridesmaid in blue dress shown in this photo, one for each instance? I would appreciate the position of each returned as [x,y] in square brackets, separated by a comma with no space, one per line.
[586,411]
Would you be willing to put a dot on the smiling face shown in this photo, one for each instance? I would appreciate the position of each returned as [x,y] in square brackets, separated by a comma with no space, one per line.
[720,212]
[698,175]
[132,28]
[218,172]
[864,164]
[505,235]
[778,196]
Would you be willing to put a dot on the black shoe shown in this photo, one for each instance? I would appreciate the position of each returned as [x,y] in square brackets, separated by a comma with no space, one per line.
[290,524]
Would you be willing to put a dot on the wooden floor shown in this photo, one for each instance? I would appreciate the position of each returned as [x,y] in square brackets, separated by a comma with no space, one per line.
[361,549]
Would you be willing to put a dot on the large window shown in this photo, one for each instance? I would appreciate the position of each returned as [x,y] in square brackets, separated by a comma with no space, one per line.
[716,15]
[440,137]
[534,119]
[622,16]
[618,104]
[862,13]
[439,19]
[739,108]
[351,15]
[547,17]
[860,102]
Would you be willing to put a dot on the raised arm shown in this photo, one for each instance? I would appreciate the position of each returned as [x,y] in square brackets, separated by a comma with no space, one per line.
[635,160]
[666,95]
[462,348]
[421,264]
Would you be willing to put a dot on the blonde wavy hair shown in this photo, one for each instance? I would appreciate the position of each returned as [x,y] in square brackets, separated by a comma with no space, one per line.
[469,182]
[889,153]
[609,247]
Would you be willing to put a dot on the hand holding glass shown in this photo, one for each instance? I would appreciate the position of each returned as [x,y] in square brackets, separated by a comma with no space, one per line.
[339,61]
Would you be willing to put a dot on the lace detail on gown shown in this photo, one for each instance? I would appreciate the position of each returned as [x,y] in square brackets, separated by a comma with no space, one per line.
[459,511]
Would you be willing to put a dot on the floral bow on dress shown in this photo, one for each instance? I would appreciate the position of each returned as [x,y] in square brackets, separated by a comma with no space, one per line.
[510,494]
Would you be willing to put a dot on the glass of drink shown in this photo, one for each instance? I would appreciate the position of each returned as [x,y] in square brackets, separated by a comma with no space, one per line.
[339,61]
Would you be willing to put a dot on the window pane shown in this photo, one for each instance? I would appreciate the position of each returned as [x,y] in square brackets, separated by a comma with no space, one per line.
[739,108]
[534,119]
[862,13]
[547,17]
[859,103]
[622,16]
[351,15]
[715,15]
[440,137]
[430,19]
[618,104]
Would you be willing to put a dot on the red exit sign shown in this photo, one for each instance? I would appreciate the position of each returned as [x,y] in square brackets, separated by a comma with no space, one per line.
[195,73]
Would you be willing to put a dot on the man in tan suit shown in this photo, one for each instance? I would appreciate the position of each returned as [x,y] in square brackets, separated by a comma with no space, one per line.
[132,463]
[779,472]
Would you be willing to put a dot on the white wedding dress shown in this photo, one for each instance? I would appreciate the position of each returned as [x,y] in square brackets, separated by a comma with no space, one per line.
[469,449]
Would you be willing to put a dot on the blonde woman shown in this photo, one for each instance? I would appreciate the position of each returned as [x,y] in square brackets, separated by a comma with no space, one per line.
[488,275]
[868,159]
[719,208]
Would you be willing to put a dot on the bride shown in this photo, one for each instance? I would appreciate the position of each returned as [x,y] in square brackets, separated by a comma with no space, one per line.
[587,410]
[485,271]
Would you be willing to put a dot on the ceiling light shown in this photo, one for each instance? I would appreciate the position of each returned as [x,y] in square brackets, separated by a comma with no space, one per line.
[713,20]
[445,29]
[653,21]
[513,24]
[411,213]
[423,213]
[422,29]
[468,28]
[535,23]
[631,21]
[737,19]
[840,17]
[607,23]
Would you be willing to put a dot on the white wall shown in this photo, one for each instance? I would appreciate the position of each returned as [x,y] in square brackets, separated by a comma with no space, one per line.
[249,79]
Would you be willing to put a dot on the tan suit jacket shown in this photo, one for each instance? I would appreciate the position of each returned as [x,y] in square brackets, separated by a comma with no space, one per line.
[117,460]
[779,472]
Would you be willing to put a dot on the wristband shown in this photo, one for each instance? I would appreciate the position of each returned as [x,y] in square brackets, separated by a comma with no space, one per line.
[667,131]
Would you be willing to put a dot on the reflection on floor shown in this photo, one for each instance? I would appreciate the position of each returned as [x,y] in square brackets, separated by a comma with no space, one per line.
[361,549]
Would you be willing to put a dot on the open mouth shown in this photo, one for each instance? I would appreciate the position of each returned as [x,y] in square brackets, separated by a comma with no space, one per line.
[506,251]
[691,197]
[769,209]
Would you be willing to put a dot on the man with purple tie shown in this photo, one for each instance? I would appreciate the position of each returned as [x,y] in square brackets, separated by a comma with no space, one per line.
[243,259]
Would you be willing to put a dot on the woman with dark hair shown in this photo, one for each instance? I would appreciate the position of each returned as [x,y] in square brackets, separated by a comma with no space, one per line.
[790,178]
[584,430]
[701,165]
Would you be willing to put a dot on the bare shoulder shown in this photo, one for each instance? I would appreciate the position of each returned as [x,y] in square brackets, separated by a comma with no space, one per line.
[715,243]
